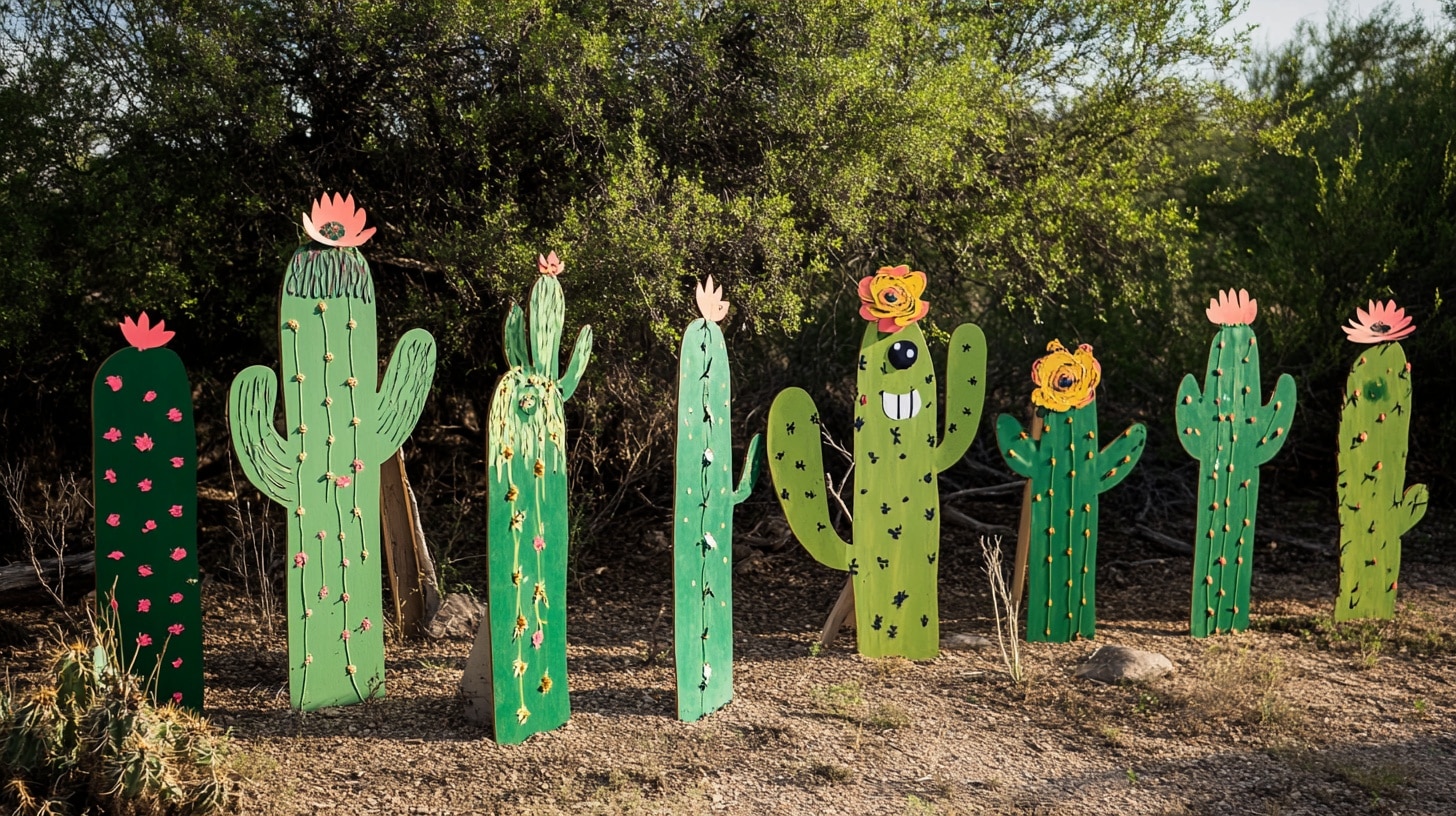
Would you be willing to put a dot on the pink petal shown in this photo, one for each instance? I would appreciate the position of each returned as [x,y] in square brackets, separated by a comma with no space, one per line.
[145,485]
[114,519]
[174,415]
[175,628]
[144,571]
[175,597]
[110,476]
[114,381]
[112,435]
[342,481]
[177,664]
[144,605]
[149,526]
[299,559]
[177,461]
[365,625]
[358,465]
[144,442]
[179,554]
[116,555]
[149,396]
[144,640]
[176,511]
[344,635]
[177,695]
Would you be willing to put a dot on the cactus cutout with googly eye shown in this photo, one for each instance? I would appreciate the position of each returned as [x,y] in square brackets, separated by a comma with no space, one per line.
[1376,508]
[341,423]
[894,555]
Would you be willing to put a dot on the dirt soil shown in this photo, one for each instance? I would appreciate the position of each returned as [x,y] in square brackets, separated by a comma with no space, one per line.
[1294,717]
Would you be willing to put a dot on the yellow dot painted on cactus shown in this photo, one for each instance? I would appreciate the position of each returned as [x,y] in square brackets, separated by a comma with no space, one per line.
[1036,498]
[1051,531]
[352,382]
[1049,559]
[341,535]
[1051,491]
[1210,534]
[1049,603]
[1071,474]
[1069,551]
[1069,582]
[292,325]
[1054,461]
[354,422]
[298,377]
[328,356]
[298,512]
[1246,522]
[1071,512]
[1090,454]
[1084,601]
[1240,559]
[359,514]
[329,439]
[1087,508]
[353,324]
[1091,434]
[1069,616]
[1086,533]
[1225,528]
[302,457]
[1208,579]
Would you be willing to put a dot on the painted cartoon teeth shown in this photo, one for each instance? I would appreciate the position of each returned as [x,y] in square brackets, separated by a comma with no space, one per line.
[900,406]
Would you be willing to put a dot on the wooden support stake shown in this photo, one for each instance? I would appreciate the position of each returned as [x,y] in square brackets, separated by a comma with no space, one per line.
[411,569]
[1023,530]
[843,611]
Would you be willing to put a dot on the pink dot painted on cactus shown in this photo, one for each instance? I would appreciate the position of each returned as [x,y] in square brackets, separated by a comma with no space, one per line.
[321,535]
[149,526]
[324,591]
[144,442]
[539,543]
[179,554]
[115,382]
[149,396]
[177,461]
[358,465]
[109,475]
[114,520]
[144,640]
[343,481]
[115,555]
[345,562]
[176,511]
[176,629]
[537,637]
[144,605]
[365,625]
[145,485]
[177,664]
[344,596]
[174,415]
[299,559]
[113,435]
[175,597]
[144,571]
[344,635]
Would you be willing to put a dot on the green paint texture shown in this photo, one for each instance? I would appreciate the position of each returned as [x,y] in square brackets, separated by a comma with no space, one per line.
[528,519]
[703,531]
[145,483]
[341,423]
[894,554]
[1376,508]
[1226,428]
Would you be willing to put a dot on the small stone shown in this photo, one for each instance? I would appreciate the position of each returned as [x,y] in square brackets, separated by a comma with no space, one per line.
[961,641]
[1120,664]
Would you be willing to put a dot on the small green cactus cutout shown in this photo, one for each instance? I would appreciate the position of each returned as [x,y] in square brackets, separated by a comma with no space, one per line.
[1231,434]
[341,424]
[146,513]
[1068,470]
[515,677]
[703,510]
[1376,508]
[894,554]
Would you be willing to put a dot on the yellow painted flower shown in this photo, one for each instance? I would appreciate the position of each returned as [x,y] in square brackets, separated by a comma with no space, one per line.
[891,296]
[1065,379]
[545,683]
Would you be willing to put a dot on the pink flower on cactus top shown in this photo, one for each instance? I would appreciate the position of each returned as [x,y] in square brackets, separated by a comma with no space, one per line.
[109,476]
[144,571]
[144,605]
[144,640]
[1232,308]
[144,443]
[149,526]
[539,543]
[177,664]
[365,625]
[336,222]
[115,555]
[343,481]
[145,485]
[114,381]
[179,554]
[358,465]
[537,638]
[177,461]
[149,396]
[549,264]
[299,559]
[174,415]
[114,520]
[113,435]
[1380,323]
[175,597]
[142,335]
[176,628]
[175,511]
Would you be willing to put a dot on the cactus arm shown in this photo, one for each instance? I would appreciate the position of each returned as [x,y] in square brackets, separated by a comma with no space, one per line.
[796,463]
[965,394]
[580,354]
[1414,504]
[548,313]
[252,401]
[752,465]
[1190,414]
[517,355]
[1273,420]
[1017,446]
[401,397]
[1120,456]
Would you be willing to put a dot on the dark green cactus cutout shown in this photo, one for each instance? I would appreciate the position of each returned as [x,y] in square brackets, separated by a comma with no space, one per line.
[1376,508]
[342,424]
[146,513]
[1231,434]
[703,532]
[894,555]
[1068,472]
[516,674]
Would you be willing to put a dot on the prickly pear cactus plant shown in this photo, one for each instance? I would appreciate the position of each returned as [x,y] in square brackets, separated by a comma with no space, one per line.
[703,532]
[145,464]
[896,526]
[1376,508]
[1068,471]
[1231,434]
[340,424]
[515,677]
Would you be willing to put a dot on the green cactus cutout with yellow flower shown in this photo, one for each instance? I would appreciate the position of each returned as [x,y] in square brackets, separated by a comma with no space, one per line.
[1068,472]
[894,554]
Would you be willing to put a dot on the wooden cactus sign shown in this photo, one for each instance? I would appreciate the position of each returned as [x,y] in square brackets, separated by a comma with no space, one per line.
[1068,469]
[515,677]
[703,513]
[1227,429]
[896,526]
[1376,508]
[145,463]
[341,424]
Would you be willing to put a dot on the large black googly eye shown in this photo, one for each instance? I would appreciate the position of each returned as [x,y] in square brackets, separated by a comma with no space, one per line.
[903,354]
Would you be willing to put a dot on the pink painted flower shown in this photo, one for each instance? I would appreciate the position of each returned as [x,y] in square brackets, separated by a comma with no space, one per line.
[114,519]
[366,625]
[144,570]
[142,335]
[179,554]
[539,543]
[177,697]
[115,555]
[114,381]
[177,664]
[358,465]
[175,597]
[537,637]
[174,415]
[176,628]
[1232,308]
[176,511]
[324,591]
[177,461]
[144,442]
[299,559]
[549,265]
[344,635]
[149,526]
[113,435]
[145,485]
[149,396]
[1380,323]
[343,481]
[144,605]
[144,640]
[336,222]
[109,475]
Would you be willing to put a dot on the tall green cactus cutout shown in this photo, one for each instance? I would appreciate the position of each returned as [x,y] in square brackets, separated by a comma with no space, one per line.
[324,469]
[703,532]
[145,458]
[515,677]
[1231,434]
[896,527]
[1376,509]
[1068,472]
